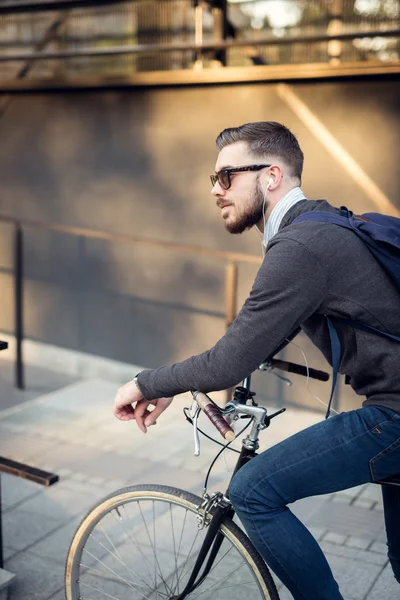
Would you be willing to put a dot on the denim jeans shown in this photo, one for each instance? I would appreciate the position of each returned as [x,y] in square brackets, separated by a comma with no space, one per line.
[347,450]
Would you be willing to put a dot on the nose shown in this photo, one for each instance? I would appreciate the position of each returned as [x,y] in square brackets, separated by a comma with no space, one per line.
[217,190]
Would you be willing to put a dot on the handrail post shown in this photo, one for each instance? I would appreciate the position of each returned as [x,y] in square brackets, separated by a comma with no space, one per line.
[1,533]
[231,288]
[231,285]
[18,303]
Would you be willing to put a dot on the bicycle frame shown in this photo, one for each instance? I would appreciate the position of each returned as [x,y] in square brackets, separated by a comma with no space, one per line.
[222,508]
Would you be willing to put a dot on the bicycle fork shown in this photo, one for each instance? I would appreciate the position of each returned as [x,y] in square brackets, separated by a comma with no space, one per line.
[210,546]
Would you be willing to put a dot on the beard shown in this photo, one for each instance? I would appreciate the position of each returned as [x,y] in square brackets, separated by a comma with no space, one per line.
[253,212]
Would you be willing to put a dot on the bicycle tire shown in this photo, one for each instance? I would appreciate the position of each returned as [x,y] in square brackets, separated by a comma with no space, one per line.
[76,569]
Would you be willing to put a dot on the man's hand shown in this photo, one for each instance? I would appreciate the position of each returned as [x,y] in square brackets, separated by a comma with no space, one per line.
[129,395]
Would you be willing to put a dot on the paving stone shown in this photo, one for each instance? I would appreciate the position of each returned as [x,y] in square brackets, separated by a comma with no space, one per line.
[92,493]
[350,492]
[78,476]
[349,520]
[326,496]
[58,502]
[60,595]
[354,554]
[360,503]
[342,499]
[6,579]
[55,545]
[23,445]
[97,480]
[357,542]
[305,508]
[8,552]
[334,538]
[371,492]
[37,578]
[39,417]
[284,594]
[379,547]
[21,529]
[14,490]
[64,473]
[317,532]
[355,578]
[385,587]
[110,466]
[73,457]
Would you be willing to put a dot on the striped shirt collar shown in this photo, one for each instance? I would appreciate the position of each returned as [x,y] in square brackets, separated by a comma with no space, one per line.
[278,212]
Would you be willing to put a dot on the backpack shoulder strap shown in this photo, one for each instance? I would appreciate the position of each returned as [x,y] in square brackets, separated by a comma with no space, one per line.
[318,216]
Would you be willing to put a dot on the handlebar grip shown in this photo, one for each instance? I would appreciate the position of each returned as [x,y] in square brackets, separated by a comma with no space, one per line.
[215,416]
[299,369]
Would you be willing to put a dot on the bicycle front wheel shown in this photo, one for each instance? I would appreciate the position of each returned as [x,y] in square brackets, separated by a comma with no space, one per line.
[141,542]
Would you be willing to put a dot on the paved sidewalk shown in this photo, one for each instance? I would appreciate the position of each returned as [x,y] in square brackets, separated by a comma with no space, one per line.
[73,433]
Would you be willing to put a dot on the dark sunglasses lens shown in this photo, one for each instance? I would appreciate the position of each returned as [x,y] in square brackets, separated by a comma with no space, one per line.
[214,179]
[224,180]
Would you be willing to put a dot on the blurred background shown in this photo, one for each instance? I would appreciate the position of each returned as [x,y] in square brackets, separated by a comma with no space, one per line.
[113,255]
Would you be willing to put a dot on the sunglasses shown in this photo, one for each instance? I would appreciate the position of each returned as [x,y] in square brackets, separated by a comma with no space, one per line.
[224,175]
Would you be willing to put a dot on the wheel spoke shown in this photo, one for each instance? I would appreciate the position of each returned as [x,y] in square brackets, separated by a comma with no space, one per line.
[226,587]
[182,575]
[167,588]
[175,554]
[118,557]
[135,543]
[143,544]
[123,579]
[218,582]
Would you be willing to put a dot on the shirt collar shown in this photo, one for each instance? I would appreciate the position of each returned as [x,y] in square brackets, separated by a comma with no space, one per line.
[278,212]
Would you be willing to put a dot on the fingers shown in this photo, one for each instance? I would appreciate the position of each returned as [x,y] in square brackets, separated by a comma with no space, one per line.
[161,405]
[144,418]
[153,415]
[141,413]
[124,413]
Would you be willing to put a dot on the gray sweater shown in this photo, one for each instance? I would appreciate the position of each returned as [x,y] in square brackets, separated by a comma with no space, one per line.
[309,270]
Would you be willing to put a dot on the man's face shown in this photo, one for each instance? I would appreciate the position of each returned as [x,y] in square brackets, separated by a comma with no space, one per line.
[242,204]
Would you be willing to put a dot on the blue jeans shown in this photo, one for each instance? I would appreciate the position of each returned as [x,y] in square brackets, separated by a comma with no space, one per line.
[347,450]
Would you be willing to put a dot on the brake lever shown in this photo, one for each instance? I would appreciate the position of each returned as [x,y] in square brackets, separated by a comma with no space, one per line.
[282,378]
[269,369]
[196,432]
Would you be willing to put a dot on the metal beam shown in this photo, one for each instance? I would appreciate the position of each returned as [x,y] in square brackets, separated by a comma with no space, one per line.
[12,8]
[25,471]
[223,75]
[157,48]
[336,149]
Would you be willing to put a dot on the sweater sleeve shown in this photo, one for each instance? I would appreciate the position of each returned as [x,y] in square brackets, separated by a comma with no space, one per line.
[289,288]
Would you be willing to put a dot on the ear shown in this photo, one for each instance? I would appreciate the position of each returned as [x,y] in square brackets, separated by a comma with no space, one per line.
[273,177]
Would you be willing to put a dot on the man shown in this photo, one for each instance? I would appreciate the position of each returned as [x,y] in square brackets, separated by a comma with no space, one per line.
[310,271]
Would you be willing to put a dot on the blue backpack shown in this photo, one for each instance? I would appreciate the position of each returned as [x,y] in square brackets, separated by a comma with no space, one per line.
[381,235]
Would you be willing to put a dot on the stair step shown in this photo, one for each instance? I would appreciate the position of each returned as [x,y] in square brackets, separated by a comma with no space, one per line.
[6,579]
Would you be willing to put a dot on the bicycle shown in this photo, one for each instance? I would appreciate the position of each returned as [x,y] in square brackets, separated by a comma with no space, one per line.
[157,542]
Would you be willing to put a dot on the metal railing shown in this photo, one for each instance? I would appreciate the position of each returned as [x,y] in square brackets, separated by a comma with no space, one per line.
[123,38]
[231,260]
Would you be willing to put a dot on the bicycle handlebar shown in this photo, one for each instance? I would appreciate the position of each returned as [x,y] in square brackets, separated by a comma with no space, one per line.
[214,415]
[284,365]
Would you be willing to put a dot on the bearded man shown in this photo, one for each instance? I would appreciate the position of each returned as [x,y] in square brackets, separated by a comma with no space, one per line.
[310,271]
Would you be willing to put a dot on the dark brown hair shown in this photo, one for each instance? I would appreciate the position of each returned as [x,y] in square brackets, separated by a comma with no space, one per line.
[266,138]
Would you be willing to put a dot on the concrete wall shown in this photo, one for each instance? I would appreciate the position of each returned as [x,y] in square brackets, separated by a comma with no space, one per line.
[137,162]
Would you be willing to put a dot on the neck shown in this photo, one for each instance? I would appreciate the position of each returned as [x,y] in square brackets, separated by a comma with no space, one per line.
[272,201]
